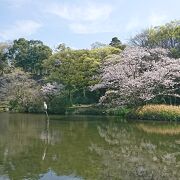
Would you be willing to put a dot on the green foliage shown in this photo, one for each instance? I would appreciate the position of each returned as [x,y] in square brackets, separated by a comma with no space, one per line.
[97,44]
[29,54]
[115,42]
[89,98]
[165,36]
[3,57]
[119,111]
[34,106]
[57,105]
[62,47]
[76,69]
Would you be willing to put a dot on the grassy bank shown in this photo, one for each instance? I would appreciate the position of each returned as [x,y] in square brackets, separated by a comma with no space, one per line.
[85,110]
[147,112]
[4,107]
[156,112]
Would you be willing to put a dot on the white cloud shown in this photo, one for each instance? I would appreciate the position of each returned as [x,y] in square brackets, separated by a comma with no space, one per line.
[83,18]
[132,24]
[17,3]
[90,28]
[23,28]
[151,20]
[156,19]
[80,12]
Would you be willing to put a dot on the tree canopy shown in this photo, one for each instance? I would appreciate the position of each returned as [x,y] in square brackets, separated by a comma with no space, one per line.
[139,75]
[3,57]
[166,36]
[115,42]
[29,54]
[75,69]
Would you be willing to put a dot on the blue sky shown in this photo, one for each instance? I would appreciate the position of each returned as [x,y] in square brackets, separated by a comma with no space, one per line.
[79,23]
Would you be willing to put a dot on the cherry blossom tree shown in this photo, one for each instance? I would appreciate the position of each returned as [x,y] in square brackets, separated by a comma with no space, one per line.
[139,75]
[50,90]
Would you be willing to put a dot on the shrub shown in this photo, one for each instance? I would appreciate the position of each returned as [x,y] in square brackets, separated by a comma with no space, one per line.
[118,111]
[31,106]
[57,105]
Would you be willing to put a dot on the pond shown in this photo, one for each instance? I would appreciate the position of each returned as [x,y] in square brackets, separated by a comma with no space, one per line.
[87,147]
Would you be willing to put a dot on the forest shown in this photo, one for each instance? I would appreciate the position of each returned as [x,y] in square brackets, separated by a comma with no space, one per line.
[137,79]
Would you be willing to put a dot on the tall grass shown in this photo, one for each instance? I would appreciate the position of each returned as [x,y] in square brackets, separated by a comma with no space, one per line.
[159,112]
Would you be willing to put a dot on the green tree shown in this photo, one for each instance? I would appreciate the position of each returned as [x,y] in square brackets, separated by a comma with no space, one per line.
[97,44]
[115,42]
[62,47]
[165,36]
[76,68]
[3,58]
[29,54]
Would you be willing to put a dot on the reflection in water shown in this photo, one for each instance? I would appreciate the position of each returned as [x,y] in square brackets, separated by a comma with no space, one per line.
[50,175]
[46,137]
[81,147]
[164,130]
[134,155]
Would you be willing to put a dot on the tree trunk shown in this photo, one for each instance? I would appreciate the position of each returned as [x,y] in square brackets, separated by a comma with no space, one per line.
[70,98]
[84,92]
[175,101]
[170,99]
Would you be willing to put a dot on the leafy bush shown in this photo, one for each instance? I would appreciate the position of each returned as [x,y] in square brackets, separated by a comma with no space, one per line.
[57,105]
[33,106]
[118,111]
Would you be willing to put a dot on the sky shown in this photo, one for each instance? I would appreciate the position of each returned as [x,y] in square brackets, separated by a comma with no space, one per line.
[79,23]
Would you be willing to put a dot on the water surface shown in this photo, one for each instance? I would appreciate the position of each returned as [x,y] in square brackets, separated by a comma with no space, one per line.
[87,147]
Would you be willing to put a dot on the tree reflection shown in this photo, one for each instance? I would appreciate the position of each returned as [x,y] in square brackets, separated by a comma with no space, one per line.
[31,148]
[46,138]
[132,154]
